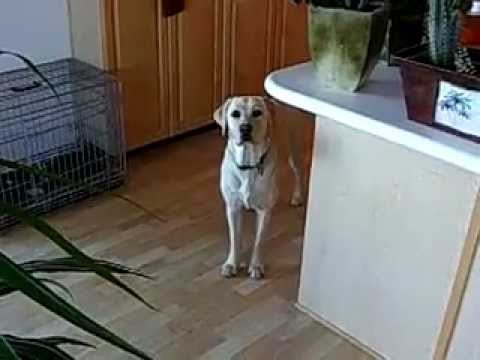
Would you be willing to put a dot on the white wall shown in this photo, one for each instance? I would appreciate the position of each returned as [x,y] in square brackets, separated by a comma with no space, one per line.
[86,25]
[38,29]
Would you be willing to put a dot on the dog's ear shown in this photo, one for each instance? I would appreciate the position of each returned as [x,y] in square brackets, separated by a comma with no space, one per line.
[220,116]
[271,105]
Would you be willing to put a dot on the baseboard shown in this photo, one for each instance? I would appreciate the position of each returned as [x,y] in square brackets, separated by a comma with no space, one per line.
[340,332]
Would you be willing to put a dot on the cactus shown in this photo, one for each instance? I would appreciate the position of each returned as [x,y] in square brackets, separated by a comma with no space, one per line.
[443,30]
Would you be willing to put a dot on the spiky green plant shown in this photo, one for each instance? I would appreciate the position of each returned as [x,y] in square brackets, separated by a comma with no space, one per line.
[20,278]
[443,30]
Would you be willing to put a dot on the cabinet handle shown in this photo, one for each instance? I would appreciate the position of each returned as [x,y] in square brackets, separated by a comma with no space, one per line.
[172,7]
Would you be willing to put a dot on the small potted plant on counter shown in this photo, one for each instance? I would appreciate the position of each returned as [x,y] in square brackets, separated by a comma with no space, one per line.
[346,39]
[428,70]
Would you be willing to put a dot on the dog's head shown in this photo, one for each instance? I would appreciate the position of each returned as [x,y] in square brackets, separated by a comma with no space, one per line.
[245,119]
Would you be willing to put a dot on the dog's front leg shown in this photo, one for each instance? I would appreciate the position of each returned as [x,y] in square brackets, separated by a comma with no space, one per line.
[256,269]
[234,218]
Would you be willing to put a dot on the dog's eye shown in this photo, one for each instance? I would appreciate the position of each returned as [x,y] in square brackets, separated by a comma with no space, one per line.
[257,113]
[236,114]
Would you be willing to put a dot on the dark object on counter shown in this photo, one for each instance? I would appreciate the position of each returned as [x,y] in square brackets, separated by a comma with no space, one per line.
[172,7]
[407,24]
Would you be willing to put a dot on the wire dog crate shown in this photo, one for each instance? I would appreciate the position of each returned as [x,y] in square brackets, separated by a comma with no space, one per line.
[77,136]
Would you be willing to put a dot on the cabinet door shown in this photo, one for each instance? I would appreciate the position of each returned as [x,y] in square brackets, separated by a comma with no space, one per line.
[195,64]
[136,64]
[249,43]
[293,42]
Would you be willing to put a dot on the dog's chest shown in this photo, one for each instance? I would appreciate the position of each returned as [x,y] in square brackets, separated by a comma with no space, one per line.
[253,189]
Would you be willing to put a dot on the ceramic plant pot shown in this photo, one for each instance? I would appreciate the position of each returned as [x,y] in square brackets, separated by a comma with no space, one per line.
[346,44]
[421,82]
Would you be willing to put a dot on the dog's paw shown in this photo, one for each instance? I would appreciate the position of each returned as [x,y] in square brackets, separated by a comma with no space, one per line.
[229,270]
[256,272]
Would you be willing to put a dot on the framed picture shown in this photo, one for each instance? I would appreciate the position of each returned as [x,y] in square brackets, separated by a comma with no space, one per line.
[458,110]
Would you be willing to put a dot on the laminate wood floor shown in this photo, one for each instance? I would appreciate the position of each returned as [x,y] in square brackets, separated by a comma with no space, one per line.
[201,315]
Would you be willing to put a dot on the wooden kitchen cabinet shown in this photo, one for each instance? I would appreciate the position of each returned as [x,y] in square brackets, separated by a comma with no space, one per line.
[249,45]
[175,71]
[293,34]
[136,51]
[195,64]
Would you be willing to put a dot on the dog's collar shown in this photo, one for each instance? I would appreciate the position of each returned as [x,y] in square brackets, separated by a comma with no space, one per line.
[260,166]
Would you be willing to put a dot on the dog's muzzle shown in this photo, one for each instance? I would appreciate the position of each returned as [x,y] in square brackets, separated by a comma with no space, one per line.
[246,132]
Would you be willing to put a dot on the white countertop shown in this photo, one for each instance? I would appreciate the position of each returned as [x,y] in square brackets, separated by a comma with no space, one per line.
[378,108]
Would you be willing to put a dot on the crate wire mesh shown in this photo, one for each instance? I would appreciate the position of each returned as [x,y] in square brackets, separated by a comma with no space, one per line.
[78,136]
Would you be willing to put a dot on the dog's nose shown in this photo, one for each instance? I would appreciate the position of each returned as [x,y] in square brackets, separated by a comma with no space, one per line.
[246,129]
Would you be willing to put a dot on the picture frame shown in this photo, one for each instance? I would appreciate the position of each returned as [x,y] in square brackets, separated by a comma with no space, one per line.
[458,111]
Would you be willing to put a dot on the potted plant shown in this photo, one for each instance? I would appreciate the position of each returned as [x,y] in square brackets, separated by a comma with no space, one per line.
[424,67]
[346,39]
[29,279]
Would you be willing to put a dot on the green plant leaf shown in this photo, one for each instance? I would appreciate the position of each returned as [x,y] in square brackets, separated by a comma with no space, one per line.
[43,348]
[32,67]
[60,341]
[6,351]
[58,285]
[31,287]
[52,234]
[29,350]
[5,289]
[69,264]
[62,265]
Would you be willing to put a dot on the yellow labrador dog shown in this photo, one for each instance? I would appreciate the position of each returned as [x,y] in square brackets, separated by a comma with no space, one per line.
[249,175]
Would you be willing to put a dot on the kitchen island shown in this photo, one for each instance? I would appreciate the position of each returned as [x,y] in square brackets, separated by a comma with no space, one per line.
[392,221]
